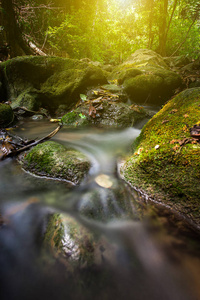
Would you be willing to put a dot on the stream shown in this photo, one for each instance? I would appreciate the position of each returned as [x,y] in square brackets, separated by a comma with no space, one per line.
[116,244]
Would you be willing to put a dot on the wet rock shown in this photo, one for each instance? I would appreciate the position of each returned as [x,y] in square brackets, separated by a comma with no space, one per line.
[28,99]
[48,81]
[146,78]
[104,114]
[6,115]
[37,117]
[54,160]
[165,162]
[69,239]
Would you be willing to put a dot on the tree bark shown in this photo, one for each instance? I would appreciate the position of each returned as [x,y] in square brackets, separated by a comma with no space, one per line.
[15,41]
[163,27]
[151,18]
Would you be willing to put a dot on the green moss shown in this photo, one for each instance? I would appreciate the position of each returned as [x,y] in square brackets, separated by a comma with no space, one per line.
[146,78]
[73,119]
[54,160]
[65,237]
[54,233]
[53,80]
[115,115]
[142,83]
[29,99]
[128,73]
[6,115]
[170,173]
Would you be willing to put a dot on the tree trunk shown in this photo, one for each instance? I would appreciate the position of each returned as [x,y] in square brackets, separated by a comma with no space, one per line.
[163,27]
[14,38]
[151,18]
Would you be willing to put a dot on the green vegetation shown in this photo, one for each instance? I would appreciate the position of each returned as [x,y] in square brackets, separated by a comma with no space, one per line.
[110,115]
[54,160]
[6,115]
[107,31]
[166,161]
[35,81]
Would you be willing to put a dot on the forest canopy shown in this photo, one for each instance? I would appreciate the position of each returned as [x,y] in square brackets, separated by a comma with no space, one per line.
[101,30]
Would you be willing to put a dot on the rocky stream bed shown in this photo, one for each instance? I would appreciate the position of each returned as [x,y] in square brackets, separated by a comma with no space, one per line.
[142,113]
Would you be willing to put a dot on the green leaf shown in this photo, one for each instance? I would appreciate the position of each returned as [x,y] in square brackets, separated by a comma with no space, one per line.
[83,97]
[82,116]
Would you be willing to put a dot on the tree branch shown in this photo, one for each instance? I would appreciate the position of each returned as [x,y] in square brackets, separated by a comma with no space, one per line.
[181,44]
[27,147]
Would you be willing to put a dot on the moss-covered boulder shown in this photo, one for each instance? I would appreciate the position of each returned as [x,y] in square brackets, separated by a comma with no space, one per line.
[28,99]
[48,81]
[69,239]
[106,114]
[6,115]
[146,78]
[166,159]
[54,160]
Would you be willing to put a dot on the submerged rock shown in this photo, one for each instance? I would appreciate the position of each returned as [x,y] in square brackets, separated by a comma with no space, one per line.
[69,239]
[6,115]
[48,81]
[146,78]
[54,160]
[166,159]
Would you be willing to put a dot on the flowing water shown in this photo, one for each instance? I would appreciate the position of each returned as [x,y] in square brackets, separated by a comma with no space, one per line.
[114,244]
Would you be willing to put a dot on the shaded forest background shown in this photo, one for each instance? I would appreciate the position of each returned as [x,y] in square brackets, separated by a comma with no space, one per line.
[101,30]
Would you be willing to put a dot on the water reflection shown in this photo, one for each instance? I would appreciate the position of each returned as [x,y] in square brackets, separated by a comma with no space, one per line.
[97,248]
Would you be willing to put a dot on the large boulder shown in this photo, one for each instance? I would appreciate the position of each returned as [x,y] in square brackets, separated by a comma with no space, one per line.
[166,156]
[53,160]
[106,114]
[146,78]
[48,81]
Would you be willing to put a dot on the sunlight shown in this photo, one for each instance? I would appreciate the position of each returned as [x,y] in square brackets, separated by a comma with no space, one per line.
[123,2]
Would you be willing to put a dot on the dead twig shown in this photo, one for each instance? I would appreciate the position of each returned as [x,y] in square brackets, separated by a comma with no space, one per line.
[15,152]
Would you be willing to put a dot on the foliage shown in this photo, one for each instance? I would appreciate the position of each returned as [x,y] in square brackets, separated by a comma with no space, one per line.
[110,30]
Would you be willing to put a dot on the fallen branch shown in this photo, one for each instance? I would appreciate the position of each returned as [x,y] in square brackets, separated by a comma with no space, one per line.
[15,152]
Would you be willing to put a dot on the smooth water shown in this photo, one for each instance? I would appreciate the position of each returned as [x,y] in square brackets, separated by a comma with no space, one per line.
[114,245]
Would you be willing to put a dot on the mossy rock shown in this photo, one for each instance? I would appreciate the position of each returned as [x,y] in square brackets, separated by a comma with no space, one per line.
[6,115]
[166,159]
[54,160]
[113,88]
[54,233]
[143,86]
[69,239]
[28,99]
[147,57]
[146,78]
[128,73]
[108,115]
[52,80]
[177,61]
[80,247]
